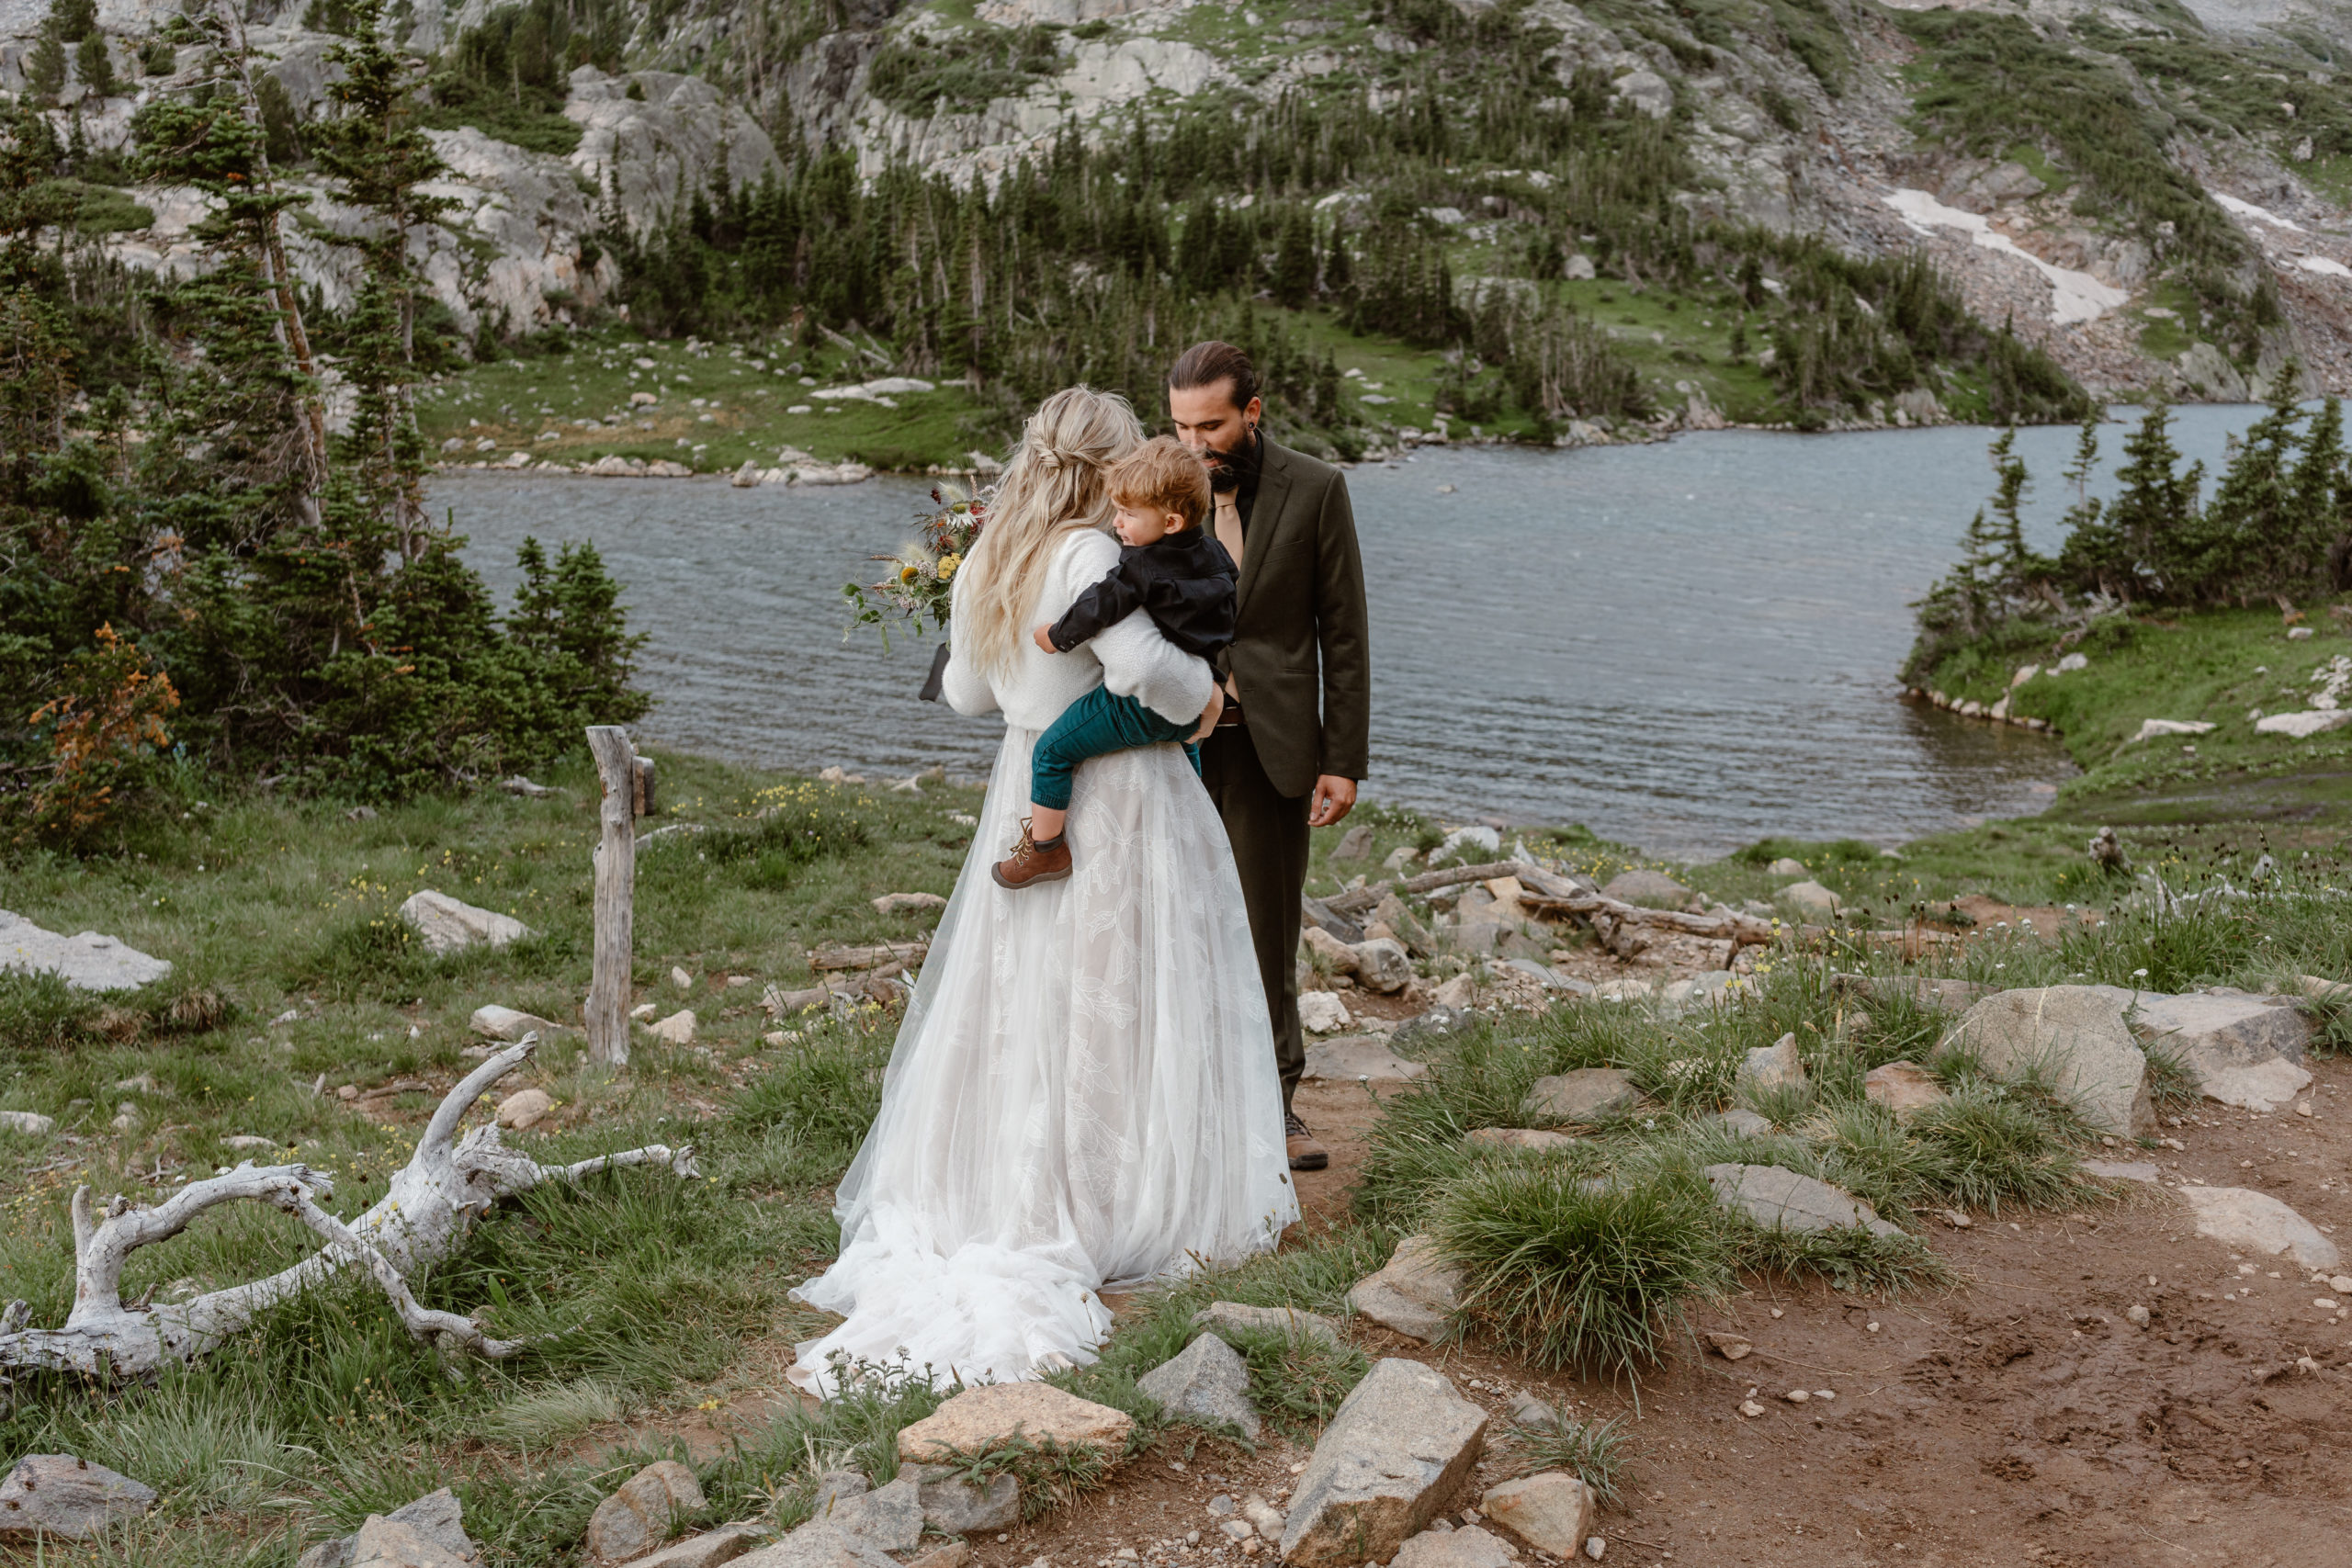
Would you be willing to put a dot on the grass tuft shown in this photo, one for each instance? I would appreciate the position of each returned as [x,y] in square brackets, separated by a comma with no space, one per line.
[1592,1451]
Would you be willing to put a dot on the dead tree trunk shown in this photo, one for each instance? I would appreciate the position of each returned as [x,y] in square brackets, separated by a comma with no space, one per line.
[433,1201]
[606,1013]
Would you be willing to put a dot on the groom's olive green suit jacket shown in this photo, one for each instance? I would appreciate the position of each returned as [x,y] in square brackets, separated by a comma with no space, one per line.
[1302,657]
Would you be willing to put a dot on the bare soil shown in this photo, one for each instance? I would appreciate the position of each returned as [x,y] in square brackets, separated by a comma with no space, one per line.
[2017,1419]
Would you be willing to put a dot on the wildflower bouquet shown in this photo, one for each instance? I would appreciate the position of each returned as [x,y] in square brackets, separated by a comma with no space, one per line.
[916,587]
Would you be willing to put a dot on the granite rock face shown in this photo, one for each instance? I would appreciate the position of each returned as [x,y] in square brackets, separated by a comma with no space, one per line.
[2076,1038]
[1551,1512]
[1415,1294]
[639,1515]
[87,961]
[2242,1050]
[1469,1547]
[1397,1448]
[435,1520]
[952,1506]
[1207,1378]
[2239,1216]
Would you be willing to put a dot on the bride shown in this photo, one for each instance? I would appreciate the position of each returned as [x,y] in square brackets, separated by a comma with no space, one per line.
[1083,1094]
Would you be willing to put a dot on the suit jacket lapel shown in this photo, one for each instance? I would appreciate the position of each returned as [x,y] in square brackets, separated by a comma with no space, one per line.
[1265,517]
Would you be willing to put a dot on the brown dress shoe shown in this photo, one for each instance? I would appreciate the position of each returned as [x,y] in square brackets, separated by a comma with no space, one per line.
[1027,864]
[1306,1154]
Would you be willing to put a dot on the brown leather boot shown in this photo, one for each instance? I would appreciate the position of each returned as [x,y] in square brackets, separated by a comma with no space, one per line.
[1306,1154]
[1027,864]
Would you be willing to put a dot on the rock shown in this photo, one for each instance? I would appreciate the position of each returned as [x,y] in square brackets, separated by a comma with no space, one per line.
[725,1544]
[1905,1087]
[1315,915]
[952,1555]
[899,903]
[1469,1547]
[1551,1512]
[1517,1138]
[1776,1066]
[639,1517]
[1399,1445]
[1581,1095]
[85,961]
[1357,1057]
[1457,995]
[1729,1346]
[1322,1012]
[61,1495]
[1594,1546]
[2156,728]
[1441,1023]
[1781,1200]
[1647,889]
[1810,901]
[1354,844]
[2304,724]
[2239,1216]
[435,1516]
[678,1029]
[1286,1320]
[1950,996]
[1646,91]
[981,1418]
[889,1517]
[2075,1035]
[1207,1378]
[781,1003]
[33,1123]
[1414,1294]
[1392,918]
[1549,979]
[2122,1171]
[525,1109]
[495,1022]
[1785,867]
[818,1544]
[388,1543]
[2243,1051]
[1743,1124]
[835,1486]
[1383,965]
[448,925]
[952,1506]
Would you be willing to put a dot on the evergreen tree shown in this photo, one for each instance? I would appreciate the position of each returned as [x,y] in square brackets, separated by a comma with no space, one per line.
[2319,541]
[1293,280]
[45,67]
[2241,544]
[96,66]
[2155,516]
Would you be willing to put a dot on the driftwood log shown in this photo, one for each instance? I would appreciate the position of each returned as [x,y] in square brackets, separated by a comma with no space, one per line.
[1548,892]
[432,1202]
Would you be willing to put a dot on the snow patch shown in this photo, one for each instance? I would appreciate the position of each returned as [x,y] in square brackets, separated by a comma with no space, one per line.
[2073,296]
[2237,208]
[2324,265]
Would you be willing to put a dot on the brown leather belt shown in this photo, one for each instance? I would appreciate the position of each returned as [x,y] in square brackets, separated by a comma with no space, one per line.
[1230,714]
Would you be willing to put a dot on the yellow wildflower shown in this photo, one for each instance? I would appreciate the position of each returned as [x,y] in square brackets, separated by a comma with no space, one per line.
[947,565]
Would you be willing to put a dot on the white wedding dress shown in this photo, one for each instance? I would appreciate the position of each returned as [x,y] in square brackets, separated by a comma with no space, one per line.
[1083,1095]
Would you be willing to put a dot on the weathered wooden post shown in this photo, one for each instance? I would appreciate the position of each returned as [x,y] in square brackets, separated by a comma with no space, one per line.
[627,790]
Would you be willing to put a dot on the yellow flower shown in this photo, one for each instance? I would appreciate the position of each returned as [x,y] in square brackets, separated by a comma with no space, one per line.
[947,565]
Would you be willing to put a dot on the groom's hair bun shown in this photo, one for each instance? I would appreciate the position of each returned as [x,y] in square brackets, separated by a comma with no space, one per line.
[1161,474]
[1207,363]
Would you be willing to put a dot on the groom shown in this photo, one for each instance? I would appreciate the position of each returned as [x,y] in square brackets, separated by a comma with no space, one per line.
[1294,735]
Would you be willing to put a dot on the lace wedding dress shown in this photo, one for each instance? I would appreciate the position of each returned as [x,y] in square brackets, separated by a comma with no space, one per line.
[1083,1093]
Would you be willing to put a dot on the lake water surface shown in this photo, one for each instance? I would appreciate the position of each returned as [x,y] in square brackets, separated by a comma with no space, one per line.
[1687,646]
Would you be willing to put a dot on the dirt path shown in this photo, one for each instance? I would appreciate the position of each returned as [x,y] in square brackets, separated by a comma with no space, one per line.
[2020,1419]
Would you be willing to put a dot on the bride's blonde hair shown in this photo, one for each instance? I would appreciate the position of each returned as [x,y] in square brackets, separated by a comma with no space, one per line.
[1053,484]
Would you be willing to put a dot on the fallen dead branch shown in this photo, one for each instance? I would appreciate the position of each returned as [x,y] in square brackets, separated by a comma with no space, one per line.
[433,1201]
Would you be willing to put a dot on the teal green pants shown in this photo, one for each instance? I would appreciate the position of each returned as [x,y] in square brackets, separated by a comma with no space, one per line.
[1095,725]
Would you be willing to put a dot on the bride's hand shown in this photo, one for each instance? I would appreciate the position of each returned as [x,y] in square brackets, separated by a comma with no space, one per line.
[1043,636]
[1209,714]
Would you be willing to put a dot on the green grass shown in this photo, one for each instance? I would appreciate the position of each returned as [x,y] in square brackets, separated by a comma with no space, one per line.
[1592,1451]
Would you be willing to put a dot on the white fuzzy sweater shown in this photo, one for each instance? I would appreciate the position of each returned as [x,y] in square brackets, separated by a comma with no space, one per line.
[1132,659]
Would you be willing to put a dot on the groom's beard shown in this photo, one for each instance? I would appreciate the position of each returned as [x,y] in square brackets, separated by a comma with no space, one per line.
[1228,471]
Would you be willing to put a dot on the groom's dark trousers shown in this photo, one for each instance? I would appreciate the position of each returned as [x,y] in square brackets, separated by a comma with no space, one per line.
[1302,662]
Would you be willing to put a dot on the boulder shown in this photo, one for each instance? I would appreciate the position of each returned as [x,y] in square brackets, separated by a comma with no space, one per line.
[1397,1448]
[1776,1066]
[725,1544]
[388,1543]
[1809,901]
[85,961]
[1456,997]
[2140,1171]
[1548,977]
[1220,1315]
[639,1516]
[494,1023]
[1781,1200]
[33,1123]
[1391,917]
[2075,1037]
[68,1497]
[1322,1012]
[818,1544]
[1905,1087]
[1517,1138]
[1315,915]
[1743,1123]
[889,1517]
[437,1516]
[1785,867]
[525,1109]
[1647,889]
[448,925]
[2243,1051]
[985,1417]
[1354,844]
[902,903]
[953,1506]
[1551,1512]
[1414,1294]
[1582,1094]
[1949,996]
[1207,1378]
[1469,1547]
[1357,1057]
[678,1029]
[2239,1216]
[1383,965]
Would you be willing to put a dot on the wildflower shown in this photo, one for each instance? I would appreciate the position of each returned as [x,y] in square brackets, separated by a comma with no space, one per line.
[947,565]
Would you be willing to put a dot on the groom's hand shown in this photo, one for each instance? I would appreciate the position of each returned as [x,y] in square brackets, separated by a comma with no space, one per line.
[1334,798]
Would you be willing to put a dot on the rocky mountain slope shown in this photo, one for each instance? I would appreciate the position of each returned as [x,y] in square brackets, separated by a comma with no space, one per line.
[2152,192]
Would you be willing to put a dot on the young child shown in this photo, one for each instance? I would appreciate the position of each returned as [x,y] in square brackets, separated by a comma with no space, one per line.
[1172,568]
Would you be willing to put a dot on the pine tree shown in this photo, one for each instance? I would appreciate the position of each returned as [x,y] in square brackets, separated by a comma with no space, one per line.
[1293,280]
[2156,515]
[2320,504]
[2242,545]
[45,67]
[96,66]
